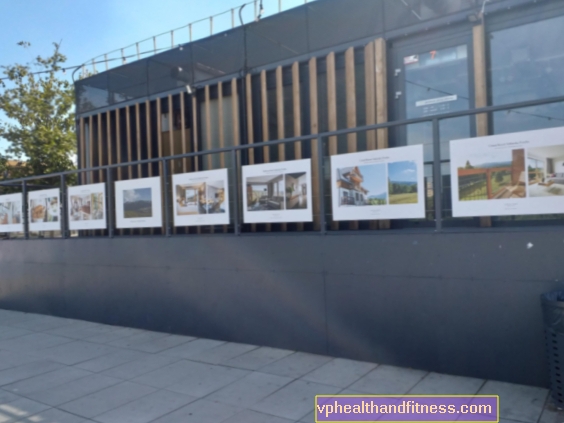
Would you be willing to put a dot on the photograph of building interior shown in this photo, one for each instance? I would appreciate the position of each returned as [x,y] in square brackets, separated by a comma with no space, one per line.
[265,193]
[201,198]
[546,171]
[296,191]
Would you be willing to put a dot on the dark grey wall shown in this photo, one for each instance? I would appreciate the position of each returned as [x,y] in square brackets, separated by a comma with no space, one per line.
[459,303]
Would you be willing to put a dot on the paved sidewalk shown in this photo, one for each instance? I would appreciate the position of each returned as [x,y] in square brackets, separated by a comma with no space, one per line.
[55,370]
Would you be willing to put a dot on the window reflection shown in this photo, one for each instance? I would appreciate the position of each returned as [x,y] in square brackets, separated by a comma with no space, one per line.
[526,64]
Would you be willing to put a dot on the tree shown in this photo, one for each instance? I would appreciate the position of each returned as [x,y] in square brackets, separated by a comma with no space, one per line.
[40,125]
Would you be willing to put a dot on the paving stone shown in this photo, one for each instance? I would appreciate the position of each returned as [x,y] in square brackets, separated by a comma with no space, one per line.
[192,348]
[439,384]
[82,330]
[250,416]
[6,397]
[223,353]
[250,389]
[201,411]
[517,402]
[139,338]
[340,372]
[53,416]
[28,370]
[146,409]
[74,390]
[207,378]
[107,399]
[296,365]
[139,367]
[388,380]
[43,323]
[75,352]
[112,360]
[171,374]
[9,359]
[7,332]
[114,335]
[46,381]
[256,359]
[32,342]
[162,344]
[20,409]
[293,401]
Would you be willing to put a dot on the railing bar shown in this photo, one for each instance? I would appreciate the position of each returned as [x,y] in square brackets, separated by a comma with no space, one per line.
[321,186]
[166,197]
[25,210]
[235,192]
[109,202]
[64,211]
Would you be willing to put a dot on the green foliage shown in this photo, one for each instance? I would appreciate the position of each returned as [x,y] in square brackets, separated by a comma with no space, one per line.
[401,188]
[40,125]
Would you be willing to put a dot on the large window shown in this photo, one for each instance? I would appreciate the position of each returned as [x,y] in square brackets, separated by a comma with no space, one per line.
[526,64]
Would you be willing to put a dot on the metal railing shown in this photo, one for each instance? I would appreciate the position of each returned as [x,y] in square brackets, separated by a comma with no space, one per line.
[232,152]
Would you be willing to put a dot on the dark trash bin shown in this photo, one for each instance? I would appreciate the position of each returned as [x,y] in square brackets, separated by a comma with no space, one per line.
[553,316]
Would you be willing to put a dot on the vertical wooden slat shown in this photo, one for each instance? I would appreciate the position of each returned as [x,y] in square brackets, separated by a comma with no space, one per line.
[314,129]
[82,149]
[171,133]
[265,134]
[195,139]
[118,145]
[128,130]
[149,136]
[235,112]
[100,161]
[481,91]
[221,129]
[381,102]
[208,126]
[138,133]
[183,132]
[350,85]
[109,137]
[91,146]
[220,122]
[297,117]
[332,111]
[160,149]
[370,89]
[250,128]
[280,123]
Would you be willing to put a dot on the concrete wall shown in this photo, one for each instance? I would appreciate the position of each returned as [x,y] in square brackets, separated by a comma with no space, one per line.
[459,303]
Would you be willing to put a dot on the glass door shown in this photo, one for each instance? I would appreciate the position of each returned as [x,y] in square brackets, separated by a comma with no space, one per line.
[433,78]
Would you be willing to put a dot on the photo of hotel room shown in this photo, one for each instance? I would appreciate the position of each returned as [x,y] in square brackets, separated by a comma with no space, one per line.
[266,193]
[203,198]
[296,191]
[545,168]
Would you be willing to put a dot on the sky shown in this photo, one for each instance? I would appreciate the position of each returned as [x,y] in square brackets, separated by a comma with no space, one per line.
[402,172]
[88,28]
[139,194]
[375,181]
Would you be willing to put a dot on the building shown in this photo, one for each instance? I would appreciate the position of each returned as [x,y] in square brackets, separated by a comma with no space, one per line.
[454,295]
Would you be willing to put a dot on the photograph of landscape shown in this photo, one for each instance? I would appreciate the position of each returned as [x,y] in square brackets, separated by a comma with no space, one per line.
[545,169]
[402,183]
[492,175]
[10,213]
[44,209]
[137,203]
[362,185]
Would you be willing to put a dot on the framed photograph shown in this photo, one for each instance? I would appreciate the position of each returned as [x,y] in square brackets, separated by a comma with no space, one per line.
[44,210]
[87,207]
[378,184]
[11,213]
[138,203]
[277,192]
[201,198]
[511,174]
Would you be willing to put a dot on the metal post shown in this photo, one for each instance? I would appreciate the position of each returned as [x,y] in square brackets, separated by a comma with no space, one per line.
[106,61]
[172,39]
[190,31]
[211,25]
[437,185]
[166,198]
[25,211]
[232,18]
[64,208]
[155,44]
[321,186]
[109,202]
[235,178]
[279,6]
[138,52]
